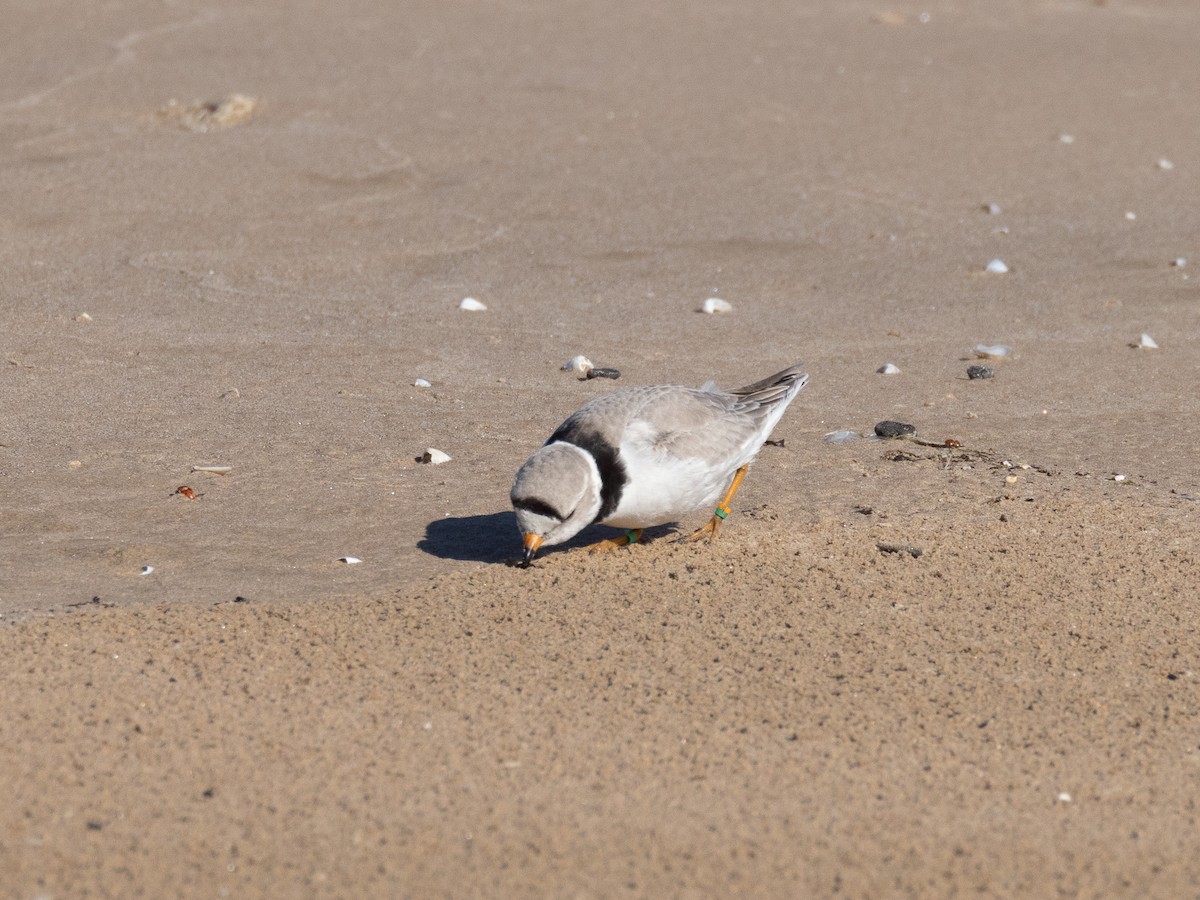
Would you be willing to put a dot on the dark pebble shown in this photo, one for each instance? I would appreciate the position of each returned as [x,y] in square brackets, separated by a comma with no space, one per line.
[974,372]
[603,373]
[890,429]
[914,552]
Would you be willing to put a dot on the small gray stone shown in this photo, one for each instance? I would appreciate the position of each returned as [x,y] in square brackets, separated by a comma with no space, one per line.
[890,429]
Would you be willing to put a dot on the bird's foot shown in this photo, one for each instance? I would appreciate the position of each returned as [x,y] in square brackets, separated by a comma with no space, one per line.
[711,528]
[630,537]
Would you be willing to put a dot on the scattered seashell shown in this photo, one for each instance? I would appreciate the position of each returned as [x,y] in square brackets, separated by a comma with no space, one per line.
[186,491]
[233,110]
[844,436]
[213,470]
[1130,215]
[992,351]
[580,364]
[1001,230]
[603,373]
[1066,138]
[890,429]
[421,382]
[1166,165]
[231,394]
[435,457]
[349,560]
[717,305]
[146,570]
[888,369]
[1119,477]
[83,317]
[75,464]
[992,209]
[976,372]
[1145,342]
[1063,797]
[1179,262]
[996,266]
[470,304]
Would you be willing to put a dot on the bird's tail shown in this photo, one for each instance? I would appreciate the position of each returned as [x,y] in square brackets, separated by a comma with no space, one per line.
[782,386]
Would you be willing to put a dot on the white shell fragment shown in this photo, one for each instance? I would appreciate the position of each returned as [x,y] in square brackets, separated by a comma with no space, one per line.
[1066,138]
[146,570]
[992,209]
[996,266]
[1130,215]
[83,317]
[844,436]
[580,364]
[1145,342]
[435,457]
[349,560]
[717,305]
[992,351]
[470,304]
[1166,165]
[1064,797]
[213,470]
[1179,262]
[888,369]
[421,382]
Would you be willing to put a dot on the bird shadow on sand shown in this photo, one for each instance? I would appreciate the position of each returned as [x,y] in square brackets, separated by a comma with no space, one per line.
[493,538]
[490,538]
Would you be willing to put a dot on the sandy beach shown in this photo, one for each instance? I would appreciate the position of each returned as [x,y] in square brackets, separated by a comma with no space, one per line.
[236,236]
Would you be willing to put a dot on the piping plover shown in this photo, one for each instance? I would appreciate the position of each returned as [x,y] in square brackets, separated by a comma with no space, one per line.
[646,456]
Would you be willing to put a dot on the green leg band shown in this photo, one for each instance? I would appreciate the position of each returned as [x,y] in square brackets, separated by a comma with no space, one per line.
[721,513]
[632,536]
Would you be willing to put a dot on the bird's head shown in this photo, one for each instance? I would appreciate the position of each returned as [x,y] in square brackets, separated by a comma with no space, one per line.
[555,495]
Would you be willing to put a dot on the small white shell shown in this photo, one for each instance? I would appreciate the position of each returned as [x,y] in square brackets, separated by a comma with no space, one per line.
[1145,342]
[470,304]
[580,364]
[992,351]
[992,209]
[1166,165]
[349,560]
[1179,262]
[1064,797]
[213,470]
[888,369]
[1130,215]
[435,457]
[146,570]
[421,382]
[1119,477]
[83,317]
[996,266]
[841,437]
[1066,138]
[717,305]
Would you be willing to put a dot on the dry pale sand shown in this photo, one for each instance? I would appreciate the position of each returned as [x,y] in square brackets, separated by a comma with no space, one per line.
[237,234]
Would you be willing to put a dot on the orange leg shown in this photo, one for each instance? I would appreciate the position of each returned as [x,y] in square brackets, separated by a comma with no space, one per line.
[630,537]
[722,511]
